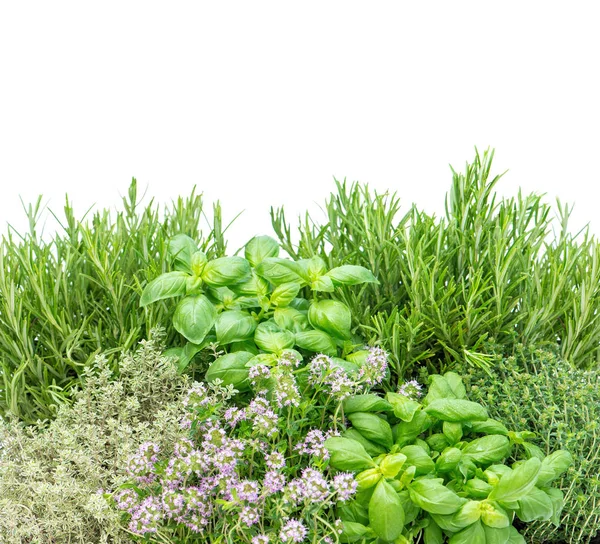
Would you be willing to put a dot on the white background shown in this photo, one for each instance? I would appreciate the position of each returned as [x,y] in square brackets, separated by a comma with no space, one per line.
[263,103]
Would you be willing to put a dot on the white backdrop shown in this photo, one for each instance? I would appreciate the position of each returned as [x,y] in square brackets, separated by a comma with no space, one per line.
[263,103]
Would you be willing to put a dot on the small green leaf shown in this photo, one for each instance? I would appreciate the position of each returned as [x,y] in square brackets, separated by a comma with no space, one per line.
[456,384]
[432,534]
[493,515]
[386,516]
[291,319]
[553,466]
[226,271]
[416,456]
[353,531]
[368,478]
[434,497]
[269,337]
[366,403]
[489,426]
[181,248]
[234,326]
[467,514]
[284,293]
[351,275]
[194,317]
[452,431]
[456,410]
[331,316]
[199,261]
[518,483]
[316,341]
[278,271]
[488,449]
[536,505]
[448,460]
[391,464]
[496,535]
[231,368]
[323,285]
[373,428]
[370,447]
[347,454]
[170,284]
[260,248]
[473,534]
[404,408]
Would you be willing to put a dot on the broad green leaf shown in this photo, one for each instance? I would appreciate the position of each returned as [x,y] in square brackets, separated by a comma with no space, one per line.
[353,511]
[557,499]
[446,522]
[404,408]
[456,384]
[331,316]
[448,460]
[366,403]
[536,505]
[467,514]
[181,248]
[368,478]
[439,388]
[386,516]
[199,261]
[416,456]
[268,359]
[489,426]
[372,427]
[432,534]
[300,304]
[532,450]
[452,431]
[493,515]
[347,454]
[473,534]
[291,319]
[456,410]
[316,341]
[170,284]
[496,535]
[351,275]
[488,449]
[260,248]
[370,447]
[353,531]
[194,317]
[187,354]
[411,510]
[254,285]
[231,368]
[313,267]
[358,357]
[284,293]
[518,483]
[391,464]
[407,431]
[553,466]
[514,536]
[494,472]
[477,488]
[234,326]
[277,271]
[226,271]
[434,497]
[322,285]
[437,442]
[269,337]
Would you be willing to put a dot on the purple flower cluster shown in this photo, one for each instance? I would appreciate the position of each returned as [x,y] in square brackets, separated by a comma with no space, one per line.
[141,465]
[411,389]
[373,371]
[293,531]
[314,444]
[324,373]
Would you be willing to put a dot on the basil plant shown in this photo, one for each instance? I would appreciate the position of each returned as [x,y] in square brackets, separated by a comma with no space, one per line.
[440,470]
[252,307]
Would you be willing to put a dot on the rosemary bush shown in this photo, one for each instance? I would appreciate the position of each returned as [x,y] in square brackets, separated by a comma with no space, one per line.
[51,475]
[64,300]
[501,270]
[537,391]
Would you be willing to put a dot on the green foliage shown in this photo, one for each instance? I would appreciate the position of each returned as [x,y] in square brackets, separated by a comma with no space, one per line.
[64,300]
[460,488]
[491,269]
[538,391]
[51,474]
[251,306]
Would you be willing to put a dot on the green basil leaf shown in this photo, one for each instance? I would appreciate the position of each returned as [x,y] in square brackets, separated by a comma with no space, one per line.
[494,472]
[489,426]
[231,368]
[439,388]
[349,274]
[323,285]
[284,293]
[353,531]
[291,319]
[226,271]
[373,428]
[316,341]
[347,454]
[473,534]
[493,515]
[496,535]
[260,248]
[170,284]
[532,450]
[370,447]
[234,326]
[353,511]
[557,499]
[411,510]
[187,354]
[181,248]
[404,408]
[553,466]
[269,337]
[456,410]
[437,442]
[254,285]
[368,478]
[477,488]
[268,359]
[300,304]
[514,485]
[386,516]
[199,260]
[366,403]
[446,522]
[452,431]
[456,384]
[467,514]
[194,317]
[407,431]
[391,464]
[278,271]
[432,534]
[536,505]
[448,460]
[514,536]
[246,345]
[313,267]
[416,456]
[331,316]
[434,497]
[488,449]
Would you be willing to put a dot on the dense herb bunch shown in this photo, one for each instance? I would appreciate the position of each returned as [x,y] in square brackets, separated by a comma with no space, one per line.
[537,391]
[66,299]
[51,474]
[441,468]
[491,269]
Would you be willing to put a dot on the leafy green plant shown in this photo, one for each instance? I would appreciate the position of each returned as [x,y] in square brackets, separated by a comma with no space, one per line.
[491,269]
[438,468]
[536,390]
[51,473]
[65,299]
[252,306]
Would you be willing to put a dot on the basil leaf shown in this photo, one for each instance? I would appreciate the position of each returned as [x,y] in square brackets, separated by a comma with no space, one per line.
[351,275]
[407,431]
[404,408]
[557,498]
[226,271]
[354,512]
[493,515]
[277,271]
[254,285]
[496,535]
[456,384]
[322,285]
[514,485]
[234,326]
[316,341]
[439,388]
[416,456]
[194,317]
[488,449]
[231,369]
[170,284]
[452,431]
[474,534]
[260,248]
[284,293]
[553,466]
[368,478]
[331,316]
[432,534]
[514,537]
[468,513]
[536,505]
[477,488]
[181,248]
[290,319]
[456,410]
[411,510]
[386,516]
[489,426]
[434,497]
[372,428]
[346,454]
[370,447]
[448,460]
[353,531]
[391,464]
[366,403]
[269,337]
